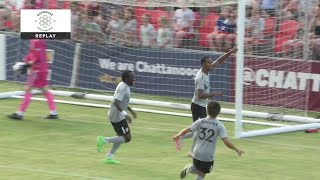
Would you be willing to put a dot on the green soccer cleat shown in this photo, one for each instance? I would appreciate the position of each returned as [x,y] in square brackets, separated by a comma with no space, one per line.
[109,160]
[100,143]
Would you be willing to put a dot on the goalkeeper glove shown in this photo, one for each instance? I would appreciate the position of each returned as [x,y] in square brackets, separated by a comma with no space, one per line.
[21,67]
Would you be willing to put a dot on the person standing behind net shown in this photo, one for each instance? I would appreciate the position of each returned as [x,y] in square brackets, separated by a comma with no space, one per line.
[202,92]
[209,130]
[37,61]
[118,117]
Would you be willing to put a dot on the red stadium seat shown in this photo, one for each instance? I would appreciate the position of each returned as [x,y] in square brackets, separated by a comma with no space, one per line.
[52,4]
[287,31]
[138,12]
[209,22]
[197,18]
[269,26]
[156,15]
[8,24]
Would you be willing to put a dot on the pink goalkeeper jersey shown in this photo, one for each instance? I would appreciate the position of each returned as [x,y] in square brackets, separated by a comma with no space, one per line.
[37,54]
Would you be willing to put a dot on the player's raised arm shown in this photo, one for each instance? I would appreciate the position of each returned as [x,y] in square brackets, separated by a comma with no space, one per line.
[224,57]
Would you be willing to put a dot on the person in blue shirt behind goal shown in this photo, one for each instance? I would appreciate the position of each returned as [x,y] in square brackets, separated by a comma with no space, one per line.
[119,117]
[209,130]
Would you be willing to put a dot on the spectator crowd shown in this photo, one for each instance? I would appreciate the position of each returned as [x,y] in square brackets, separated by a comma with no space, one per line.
[283,29]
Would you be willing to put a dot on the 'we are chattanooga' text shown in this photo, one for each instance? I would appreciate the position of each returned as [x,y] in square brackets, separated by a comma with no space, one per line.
[141,66]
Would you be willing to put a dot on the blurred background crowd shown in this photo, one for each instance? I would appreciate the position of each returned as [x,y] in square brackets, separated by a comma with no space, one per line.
[286,28]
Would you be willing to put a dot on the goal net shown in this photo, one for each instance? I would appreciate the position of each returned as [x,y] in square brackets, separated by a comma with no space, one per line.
[274,75]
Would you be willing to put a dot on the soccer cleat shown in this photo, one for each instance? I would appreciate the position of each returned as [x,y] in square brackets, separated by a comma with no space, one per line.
[15,116]
[109,160]
[178,144]
[100,143]
[52,116]
[184,172]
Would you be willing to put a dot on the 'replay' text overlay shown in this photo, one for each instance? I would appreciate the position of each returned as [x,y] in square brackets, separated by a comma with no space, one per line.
[45,24]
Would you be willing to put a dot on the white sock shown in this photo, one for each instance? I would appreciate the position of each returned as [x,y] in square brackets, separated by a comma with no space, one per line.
[20,113]
[192,170]
[106,139]
[199,178]
[109,155]
[54,112]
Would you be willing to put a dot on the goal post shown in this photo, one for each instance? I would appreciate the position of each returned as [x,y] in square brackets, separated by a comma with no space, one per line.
[2,57]
[239,68]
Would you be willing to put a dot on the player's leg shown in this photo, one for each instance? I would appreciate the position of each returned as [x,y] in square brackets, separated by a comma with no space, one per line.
[195,116]
[197,167]
[42,82]
[124,136]
[27,97]
[201,112]
[51,104]
[190,134]
[200,176]
[201,168]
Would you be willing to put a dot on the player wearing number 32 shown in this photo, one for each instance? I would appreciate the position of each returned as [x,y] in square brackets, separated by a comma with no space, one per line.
[208,130]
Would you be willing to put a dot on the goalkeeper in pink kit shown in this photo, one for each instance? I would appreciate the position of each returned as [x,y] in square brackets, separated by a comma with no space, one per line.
[37,62]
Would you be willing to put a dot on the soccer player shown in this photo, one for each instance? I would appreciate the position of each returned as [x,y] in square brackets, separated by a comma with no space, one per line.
[209,129]
[37,61]
[202,92]
[119,117]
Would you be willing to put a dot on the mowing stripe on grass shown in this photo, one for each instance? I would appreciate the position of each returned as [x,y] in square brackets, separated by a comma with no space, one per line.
[16,167]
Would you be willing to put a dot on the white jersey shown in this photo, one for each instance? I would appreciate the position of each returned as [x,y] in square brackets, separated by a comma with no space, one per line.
[208,131]
[202,81]
[122,94]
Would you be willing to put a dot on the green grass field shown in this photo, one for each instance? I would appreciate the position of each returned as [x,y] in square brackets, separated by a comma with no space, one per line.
[65,149]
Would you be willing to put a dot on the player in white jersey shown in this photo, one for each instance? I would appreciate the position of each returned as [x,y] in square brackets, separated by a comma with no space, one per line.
[119,117]
[209,130]
[202,91]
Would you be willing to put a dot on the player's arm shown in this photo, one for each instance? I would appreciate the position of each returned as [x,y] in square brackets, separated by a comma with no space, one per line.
[224,57]
[117,103]
[132,112]
[181,133]
[229,144]
[202,95]
[29,59]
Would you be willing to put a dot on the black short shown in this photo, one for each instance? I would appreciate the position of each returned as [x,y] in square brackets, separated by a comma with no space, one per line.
[198,112]
[121,127]
[205,167]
